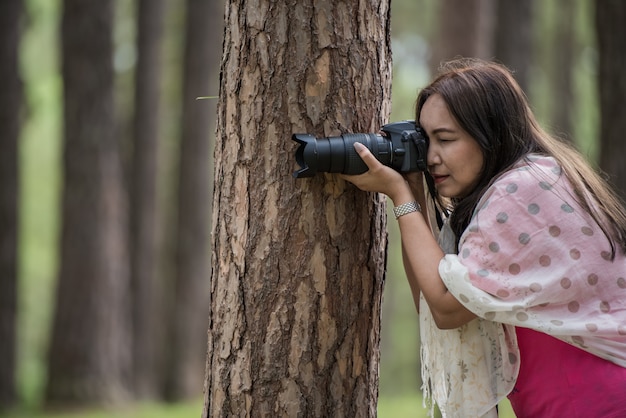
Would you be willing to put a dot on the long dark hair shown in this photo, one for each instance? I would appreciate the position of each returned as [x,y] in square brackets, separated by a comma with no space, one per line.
[490,106]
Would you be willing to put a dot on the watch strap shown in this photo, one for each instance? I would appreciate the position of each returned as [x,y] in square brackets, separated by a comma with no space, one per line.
[406,208]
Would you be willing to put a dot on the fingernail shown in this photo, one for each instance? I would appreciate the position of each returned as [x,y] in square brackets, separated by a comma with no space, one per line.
[358,146]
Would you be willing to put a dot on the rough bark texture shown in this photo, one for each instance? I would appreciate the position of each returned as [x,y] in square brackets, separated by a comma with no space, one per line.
[89,358]
[611,32]
[298,264]
[10,111]
[143,196]
[514,37]
[187,351]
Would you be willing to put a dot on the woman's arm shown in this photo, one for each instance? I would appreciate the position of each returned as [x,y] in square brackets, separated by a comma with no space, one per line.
[422,257]
[416,184]
[421,253]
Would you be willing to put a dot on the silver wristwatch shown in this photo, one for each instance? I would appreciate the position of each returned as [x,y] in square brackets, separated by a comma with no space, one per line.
[406,208]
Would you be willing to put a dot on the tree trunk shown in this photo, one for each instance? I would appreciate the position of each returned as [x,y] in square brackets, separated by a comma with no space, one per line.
[298,264]
[10,111]
[143,196]
[89,356]
[561,68]
[514,38]
[188,324]
[465,29]
[611,32]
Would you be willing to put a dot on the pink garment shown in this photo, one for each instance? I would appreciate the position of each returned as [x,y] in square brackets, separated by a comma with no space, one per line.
[531,257]
[536,259]
[558,380]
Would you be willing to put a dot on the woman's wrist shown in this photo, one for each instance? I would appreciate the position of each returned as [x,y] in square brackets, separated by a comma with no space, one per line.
[402,195]
[406,208]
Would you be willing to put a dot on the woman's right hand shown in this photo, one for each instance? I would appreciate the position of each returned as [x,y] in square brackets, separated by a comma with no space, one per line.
[380,178]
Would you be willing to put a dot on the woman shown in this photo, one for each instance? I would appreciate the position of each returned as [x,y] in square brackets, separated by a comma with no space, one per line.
[524,294]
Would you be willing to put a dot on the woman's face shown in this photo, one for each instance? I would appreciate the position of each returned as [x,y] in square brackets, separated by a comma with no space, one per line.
[455,160]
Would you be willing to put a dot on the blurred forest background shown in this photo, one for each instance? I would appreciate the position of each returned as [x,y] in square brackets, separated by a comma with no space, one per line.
[71,335]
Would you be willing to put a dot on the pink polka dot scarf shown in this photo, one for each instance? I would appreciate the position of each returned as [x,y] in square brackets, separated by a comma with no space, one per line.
[530,257]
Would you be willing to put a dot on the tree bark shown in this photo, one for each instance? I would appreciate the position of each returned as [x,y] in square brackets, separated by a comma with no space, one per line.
[89,358]
[10,123]
[514,38]
[188,322]
[465,30]
[611,33]
[561,68]
[143,196]
[298,264]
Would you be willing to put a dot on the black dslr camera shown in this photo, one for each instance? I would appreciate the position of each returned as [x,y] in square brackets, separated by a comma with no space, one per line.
[403,147]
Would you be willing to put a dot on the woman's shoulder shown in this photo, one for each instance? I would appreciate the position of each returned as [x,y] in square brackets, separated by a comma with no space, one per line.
[529,176]
[535,186]
[533,169]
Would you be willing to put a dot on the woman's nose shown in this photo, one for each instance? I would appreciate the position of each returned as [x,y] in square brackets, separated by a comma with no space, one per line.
[432,157]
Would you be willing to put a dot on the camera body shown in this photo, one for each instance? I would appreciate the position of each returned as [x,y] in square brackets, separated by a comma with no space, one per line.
[402,146]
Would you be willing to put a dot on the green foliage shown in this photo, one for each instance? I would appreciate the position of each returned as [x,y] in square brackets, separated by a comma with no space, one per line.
[401,407]
[40,185]
[181,410]
[411,407]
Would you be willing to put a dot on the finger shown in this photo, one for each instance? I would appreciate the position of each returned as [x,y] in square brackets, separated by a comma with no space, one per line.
[365,154]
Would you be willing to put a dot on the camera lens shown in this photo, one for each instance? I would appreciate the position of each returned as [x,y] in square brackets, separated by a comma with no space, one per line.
[336,154]
[403,147]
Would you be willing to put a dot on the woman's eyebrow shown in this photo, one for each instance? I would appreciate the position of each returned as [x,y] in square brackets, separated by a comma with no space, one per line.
[443,129]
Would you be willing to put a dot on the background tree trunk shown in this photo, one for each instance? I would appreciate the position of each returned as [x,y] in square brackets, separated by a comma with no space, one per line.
[89,358]
[561,69]
[465,29]
[611,32]
[298,265]
[10,123]
[188,320]
[514,38]
[143,196]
